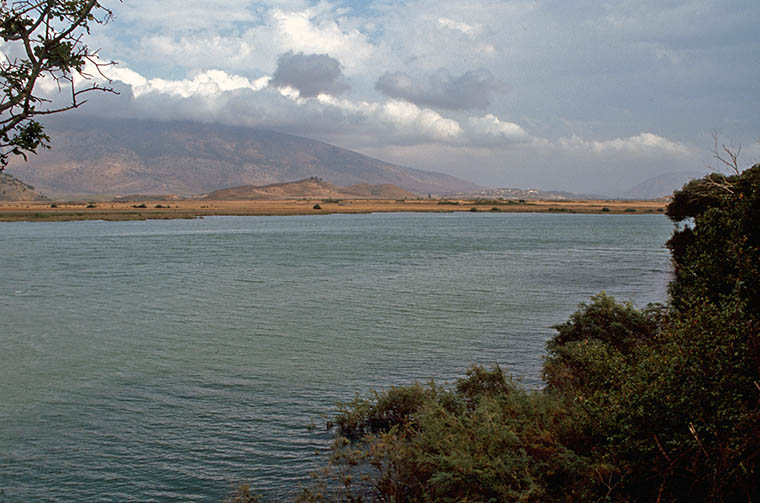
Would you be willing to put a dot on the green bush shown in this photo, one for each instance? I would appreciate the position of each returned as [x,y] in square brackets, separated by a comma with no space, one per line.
[483,439]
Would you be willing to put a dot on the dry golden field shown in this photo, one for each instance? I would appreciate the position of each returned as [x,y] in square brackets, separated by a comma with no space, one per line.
[193,208]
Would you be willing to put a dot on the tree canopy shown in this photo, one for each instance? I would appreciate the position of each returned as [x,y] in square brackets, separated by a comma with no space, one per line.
[43,40]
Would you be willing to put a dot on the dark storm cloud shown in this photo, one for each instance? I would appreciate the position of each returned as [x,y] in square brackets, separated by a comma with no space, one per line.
[473,89]
[311,74]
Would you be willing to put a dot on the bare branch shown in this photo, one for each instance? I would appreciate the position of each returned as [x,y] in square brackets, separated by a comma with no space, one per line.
[728,156]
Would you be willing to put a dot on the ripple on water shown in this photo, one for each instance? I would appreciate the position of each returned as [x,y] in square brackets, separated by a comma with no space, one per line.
[168,360]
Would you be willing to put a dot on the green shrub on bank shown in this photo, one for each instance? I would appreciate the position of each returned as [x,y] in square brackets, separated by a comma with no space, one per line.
[484,439]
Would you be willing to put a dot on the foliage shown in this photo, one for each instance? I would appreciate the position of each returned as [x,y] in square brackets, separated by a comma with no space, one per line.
[717,258]
[43,39]
[484,439]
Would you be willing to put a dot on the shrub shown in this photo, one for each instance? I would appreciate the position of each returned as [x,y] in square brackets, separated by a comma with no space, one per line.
[483,439]
[317,207]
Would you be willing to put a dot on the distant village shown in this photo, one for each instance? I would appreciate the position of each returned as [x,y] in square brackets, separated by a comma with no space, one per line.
[517,194]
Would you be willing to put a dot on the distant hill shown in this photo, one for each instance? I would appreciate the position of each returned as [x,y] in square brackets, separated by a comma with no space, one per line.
[311,187]
[13,189]
[119,157]
[662,185]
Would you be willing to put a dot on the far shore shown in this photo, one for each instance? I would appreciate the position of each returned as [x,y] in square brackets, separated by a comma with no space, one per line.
[194,208]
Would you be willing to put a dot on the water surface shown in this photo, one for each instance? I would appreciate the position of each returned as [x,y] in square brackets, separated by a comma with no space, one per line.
[169,360]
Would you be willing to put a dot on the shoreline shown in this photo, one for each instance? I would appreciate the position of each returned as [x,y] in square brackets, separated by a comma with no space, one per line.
[51,211]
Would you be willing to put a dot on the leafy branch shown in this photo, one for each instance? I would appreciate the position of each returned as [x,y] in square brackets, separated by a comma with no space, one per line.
[44,39]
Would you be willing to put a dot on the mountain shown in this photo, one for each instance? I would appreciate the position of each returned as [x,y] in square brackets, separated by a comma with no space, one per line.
[662,185]
[13,189]
[311,187]
[99,156]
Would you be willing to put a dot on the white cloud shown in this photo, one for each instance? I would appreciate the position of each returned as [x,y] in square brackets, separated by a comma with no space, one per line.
[253,39]
[471,30]
[307,31]
[209,84]
[489,129]
[642,144]
[401,121]
[197,50]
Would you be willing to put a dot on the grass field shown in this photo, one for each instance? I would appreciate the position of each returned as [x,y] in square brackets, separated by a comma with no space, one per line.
[194,208]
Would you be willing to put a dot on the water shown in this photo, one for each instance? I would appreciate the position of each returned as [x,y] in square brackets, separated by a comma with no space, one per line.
[170,360]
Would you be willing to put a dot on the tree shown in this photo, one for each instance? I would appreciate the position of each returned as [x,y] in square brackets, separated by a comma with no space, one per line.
[43,40]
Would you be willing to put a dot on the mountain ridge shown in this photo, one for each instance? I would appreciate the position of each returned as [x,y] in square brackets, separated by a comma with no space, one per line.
[100,156]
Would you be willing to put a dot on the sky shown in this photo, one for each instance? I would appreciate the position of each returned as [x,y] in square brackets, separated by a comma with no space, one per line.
[585,96]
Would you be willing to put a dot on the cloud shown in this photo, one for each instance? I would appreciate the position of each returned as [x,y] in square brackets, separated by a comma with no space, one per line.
[310,74]
[489,129]
[473,89]
[470,30]
[644,144]
[317,30]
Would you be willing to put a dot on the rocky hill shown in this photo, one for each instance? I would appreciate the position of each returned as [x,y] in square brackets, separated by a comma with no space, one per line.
[311,188]
[13,189]
[118,157]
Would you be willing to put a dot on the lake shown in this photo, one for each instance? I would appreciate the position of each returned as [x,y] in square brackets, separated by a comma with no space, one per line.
[170,360]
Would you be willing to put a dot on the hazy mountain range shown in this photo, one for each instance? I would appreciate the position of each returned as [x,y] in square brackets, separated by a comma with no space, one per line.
[96,156]
[662,185]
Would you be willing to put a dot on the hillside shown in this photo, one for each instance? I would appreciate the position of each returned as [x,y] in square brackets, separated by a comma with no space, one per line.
[311,188]
[662,185]
[98,156]
[13,189]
